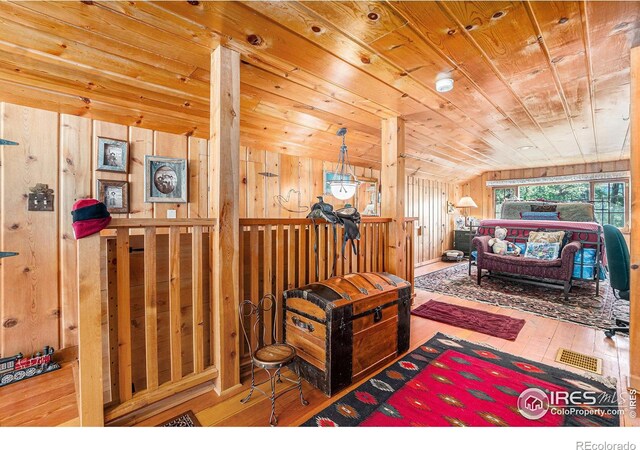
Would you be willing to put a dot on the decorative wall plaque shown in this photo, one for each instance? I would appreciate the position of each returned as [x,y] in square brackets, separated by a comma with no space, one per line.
[40,198]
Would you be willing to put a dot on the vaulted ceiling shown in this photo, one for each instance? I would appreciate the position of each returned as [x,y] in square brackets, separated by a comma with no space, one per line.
[536,83]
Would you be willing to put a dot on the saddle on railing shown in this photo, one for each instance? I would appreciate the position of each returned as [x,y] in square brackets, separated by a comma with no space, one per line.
[348,217]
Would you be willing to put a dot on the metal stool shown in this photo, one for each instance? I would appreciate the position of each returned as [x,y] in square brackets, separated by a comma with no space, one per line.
[269,355]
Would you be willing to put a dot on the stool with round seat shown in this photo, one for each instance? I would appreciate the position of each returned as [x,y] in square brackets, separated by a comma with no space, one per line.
[268,354]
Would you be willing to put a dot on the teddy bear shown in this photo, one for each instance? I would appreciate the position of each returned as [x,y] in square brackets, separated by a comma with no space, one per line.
[500,246]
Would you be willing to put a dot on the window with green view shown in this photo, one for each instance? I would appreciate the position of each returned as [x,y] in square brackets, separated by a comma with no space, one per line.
[609,203]
[500,195]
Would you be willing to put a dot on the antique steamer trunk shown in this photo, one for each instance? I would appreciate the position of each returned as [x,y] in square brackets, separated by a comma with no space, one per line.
[345,327]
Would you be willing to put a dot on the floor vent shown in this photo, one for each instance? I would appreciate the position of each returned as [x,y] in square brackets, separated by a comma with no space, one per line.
[579,360]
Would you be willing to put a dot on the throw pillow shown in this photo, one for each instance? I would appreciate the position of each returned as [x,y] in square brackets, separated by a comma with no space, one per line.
[543,208]
[540,215]
[542,250]
[546,236]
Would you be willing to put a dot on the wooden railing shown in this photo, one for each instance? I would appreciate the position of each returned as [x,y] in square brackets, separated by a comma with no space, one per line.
[155,307]
[279,254]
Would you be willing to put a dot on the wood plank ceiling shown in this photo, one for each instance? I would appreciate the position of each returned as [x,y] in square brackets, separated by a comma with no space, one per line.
[536,83]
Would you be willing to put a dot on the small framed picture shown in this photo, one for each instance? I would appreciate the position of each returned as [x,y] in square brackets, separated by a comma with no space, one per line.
[113,155]
[165,179]
[114,194]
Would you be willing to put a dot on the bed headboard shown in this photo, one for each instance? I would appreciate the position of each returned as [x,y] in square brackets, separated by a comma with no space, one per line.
[572,212]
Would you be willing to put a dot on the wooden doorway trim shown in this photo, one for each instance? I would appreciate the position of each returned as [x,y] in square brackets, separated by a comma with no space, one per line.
[634,334]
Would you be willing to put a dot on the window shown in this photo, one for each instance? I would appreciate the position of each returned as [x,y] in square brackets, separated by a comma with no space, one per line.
[566,192]
[499,196]
[609,203]
[609,197]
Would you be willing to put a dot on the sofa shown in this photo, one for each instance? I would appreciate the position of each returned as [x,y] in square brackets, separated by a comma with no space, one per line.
[560,269]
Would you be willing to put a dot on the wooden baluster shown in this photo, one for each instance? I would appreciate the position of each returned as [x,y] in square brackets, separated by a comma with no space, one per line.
[302,255]
[124,315]
[175,333]
[150,308]
[367,247]
[362,250]
[331,230]
[254,286]
[280,249]
[197,299]
[312,254]
[339,256]
[291,262]
[267,274]
[374,247]
[322,251]
[242,344]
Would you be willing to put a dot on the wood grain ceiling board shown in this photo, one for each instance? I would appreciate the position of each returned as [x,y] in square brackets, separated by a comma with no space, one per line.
[322,65]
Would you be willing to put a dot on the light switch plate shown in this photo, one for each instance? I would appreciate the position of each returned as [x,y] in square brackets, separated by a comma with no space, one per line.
[171,213]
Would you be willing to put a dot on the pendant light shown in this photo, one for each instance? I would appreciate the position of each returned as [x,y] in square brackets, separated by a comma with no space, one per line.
[344,182]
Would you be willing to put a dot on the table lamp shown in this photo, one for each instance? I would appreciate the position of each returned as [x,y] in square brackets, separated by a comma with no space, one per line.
[465,203]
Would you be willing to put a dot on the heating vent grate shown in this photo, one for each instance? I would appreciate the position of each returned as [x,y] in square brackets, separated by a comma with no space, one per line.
[579,360]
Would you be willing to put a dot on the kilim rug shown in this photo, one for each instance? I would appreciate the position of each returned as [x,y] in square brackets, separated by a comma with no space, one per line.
[583,306]
[187,419]
[448,382]
[498,325]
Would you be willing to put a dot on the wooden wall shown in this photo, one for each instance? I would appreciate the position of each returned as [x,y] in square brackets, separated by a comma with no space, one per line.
[305,175]
[483,195]
[38,287]
[427,200]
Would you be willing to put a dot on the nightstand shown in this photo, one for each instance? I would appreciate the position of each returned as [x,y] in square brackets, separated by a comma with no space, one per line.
[462,240]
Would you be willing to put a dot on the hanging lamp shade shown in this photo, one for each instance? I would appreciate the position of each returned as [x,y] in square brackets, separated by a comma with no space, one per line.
[343,183]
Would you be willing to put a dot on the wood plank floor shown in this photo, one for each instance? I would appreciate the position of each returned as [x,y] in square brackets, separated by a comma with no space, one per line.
[539,340]
[50,399]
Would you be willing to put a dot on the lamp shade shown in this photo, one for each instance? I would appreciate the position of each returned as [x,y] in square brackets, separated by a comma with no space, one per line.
[343,190]
[466,202]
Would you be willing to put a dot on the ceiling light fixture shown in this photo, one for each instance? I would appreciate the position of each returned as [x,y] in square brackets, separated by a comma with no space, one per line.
[343,183]
[444,84]
[525,147]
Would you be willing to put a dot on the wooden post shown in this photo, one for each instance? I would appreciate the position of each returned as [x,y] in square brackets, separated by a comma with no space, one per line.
[90,396]
[634,333]
[224,170]
[393,189]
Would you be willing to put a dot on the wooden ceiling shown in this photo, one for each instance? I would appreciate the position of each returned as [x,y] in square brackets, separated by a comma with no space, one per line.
[536,83]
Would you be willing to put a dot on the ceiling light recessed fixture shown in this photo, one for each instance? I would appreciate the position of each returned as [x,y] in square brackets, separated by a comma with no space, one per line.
[498,14]
[444,84]
[525,147]
[316,29]
[563,20]
[373,16]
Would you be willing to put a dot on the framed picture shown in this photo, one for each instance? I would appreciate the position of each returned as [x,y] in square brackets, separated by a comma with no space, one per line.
[114,194]
[165,179]
[113,155]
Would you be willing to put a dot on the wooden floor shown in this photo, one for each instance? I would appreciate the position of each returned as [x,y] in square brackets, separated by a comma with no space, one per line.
[539,340]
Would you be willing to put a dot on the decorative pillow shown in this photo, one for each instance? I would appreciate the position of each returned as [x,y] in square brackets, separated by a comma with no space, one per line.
[550,237]
[542,250]
[543,208]
[540,215]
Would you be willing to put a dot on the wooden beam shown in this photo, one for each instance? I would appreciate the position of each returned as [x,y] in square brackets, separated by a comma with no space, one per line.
[90,396]
[634,334]
[393,188]
[224,169]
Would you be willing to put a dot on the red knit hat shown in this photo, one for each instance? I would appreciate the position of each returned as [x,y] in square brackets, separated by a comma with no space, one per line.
[89,217]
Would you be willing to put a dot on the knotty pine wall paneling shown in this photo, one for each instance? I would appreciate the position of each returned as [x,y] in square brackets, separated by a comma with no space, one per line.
[427,200]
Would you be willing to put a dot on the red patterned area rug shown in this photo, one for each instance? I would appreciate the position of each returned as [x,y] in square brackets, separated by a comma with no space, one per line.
[448,382]
[497,325]
[583,307]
